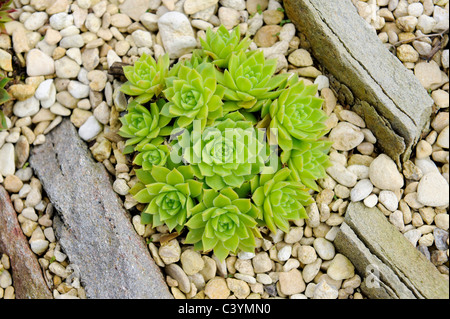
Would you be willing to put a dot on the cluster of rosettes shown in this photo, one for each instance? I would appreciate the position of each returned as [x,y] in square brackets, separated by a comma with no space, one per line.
[224,145]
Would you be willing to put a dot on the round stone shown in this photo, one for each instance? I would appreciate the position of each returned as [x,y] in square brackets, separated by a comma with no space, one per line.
[324,248]
[433,190]
[217,288]
[341,268]
[383,173]
[346,136]
[191,262]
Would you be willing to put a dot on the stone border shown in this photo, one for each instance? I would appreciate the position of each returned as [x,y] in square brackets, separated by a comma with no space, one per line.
[393,103]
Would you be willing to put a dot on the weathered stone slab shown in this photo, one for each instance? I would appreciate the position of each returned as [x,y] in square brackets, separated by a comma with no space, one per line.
[27,275]
[91,224]
[392,101]
[394,268]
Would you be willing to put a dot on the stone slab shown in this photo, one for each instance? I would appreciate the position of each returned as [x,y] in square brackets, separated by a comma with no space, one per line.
[377,248]
[392,101]
[28,280]
[91,224]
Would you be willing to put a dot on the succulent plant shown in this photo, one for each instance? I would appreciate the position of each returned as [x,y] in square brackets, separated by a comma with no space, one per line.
[169,194]
[151,155]
[228,153]
[221,44]
[146,78]
[297,115]
[250,79]
[141,125]
[5,10]
[308,161]
[280,199]
[193,94]
[4,97]
[223,222]
[207,135]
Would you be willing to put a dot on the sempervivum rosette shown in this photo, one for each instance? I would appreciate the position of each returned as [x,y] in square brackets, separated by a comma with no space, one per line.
[221,44]
[223,222]
[297,114]
[152,155]
[146,78]
[141,125]
[228,152]
[249,80]
[308,161]
[169,194]
[193,94]
[280,199]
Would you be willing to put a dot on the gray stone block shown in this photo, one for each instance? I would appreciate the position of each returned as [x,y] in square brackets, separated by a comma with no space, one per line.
[92,226]
[393,103]
[392,266]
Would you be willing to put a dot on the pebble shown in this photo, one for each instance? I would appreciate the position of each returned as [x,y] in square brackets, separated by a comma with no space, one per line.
[300,58]
[28,107]
[229,17]
[341,268]
[413,236]
[443,138]
[191,262]
[284,253]
[66,68]
[291,282]
[440,239]
[388,199]
[38,63]
[35,21]
[442,221]
[90,129]
[170,252]
[361,190]
[239,288]
[324,248]
[267,36]
[78,90]
[383,173]
[341,174]
[433,190]
[5,279]
[440,98]
[262,263]
[325,291]
[120,20]
[12,183]
[396,219]
[142,38]
[175,271]
[61,20]
[306,254]
[428,73]
[176,34]
[346,136]
[217,288]
[371,201]
[194,6]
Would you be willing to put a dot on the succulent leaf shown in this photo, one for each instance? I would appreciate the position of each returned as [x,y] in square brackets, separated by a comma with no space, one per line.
[280,199]
[308,161]
[221,44]
[193,94]
[141,125]
[250,78]
[169,195]
[297,115]
[146,78]
[223,222]
[227,154]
